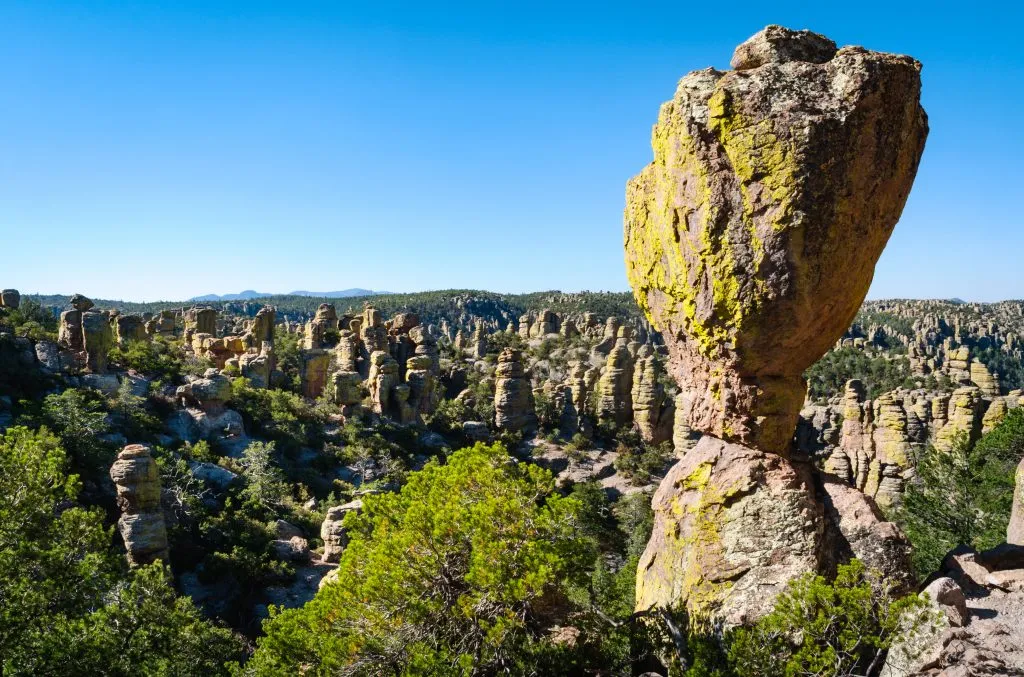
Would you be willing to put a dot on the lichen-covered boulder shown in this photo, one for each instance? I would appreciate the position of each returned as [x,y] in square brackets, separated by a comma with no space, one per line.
[732,526]
[751,239]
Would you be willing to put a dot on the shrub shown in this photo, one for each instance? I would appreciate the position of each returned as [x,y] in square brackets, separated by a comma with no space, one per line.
[818,627]
[829,375]
[264,481]
[70,605]
[79,419]
[640,463]
[462,572]
[31,320]
[159,358]
[962,496]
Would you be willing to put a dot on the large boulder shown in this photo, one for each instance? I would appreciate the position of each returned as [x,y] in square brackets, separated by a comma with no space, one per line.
[10,298]
[751,239]
[732,526]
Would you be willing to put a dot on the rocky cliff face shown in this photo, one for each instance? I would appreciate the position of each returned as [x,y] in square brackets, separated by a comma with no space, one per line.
[750,243]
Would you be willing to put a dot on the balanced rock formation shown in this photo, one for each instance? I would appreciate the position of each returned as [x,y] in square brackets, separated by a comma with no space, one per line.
[739,236]
[750,244]
[137,478]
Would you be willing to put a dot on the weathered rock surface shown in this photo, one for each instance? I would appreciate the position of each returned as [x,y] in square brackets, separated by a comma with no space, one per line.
[513,396]
[98,339]
[137,479]
[615,387]
[974,626]
[1015,530]
[732,527]
[313,376]
[333,532]
[653,411]
[762,179]
[10,298]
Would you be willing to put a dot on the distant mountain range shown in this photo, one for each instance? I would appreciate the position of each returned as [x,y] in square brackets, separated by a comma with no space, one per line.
[250,294]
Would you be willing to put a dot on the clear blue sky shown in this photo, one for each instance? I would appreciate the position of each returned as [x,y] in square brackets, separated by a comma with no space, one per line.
[164,150]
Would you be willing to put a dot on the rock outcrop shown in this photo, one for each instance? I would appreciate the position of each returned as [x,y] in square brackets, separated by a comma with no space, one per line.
[973,623]
[382,381]
[98,339]
[513,396]
[615,387]
[200,321]
[653,412]
[323,324]
[137,479]
[750,244]
[313,376]
[1015,530]
[10,298]
[733,526]
[762,179]
[332,531]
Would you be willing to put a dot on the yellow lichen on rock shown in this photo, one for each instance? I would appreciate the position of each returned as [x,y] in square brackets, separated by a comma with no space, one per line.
[751,238]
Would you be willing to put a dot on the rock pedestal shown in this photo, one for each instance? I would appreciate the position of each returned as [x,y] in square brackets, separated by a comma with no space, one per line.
[733,526]
[614,389]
